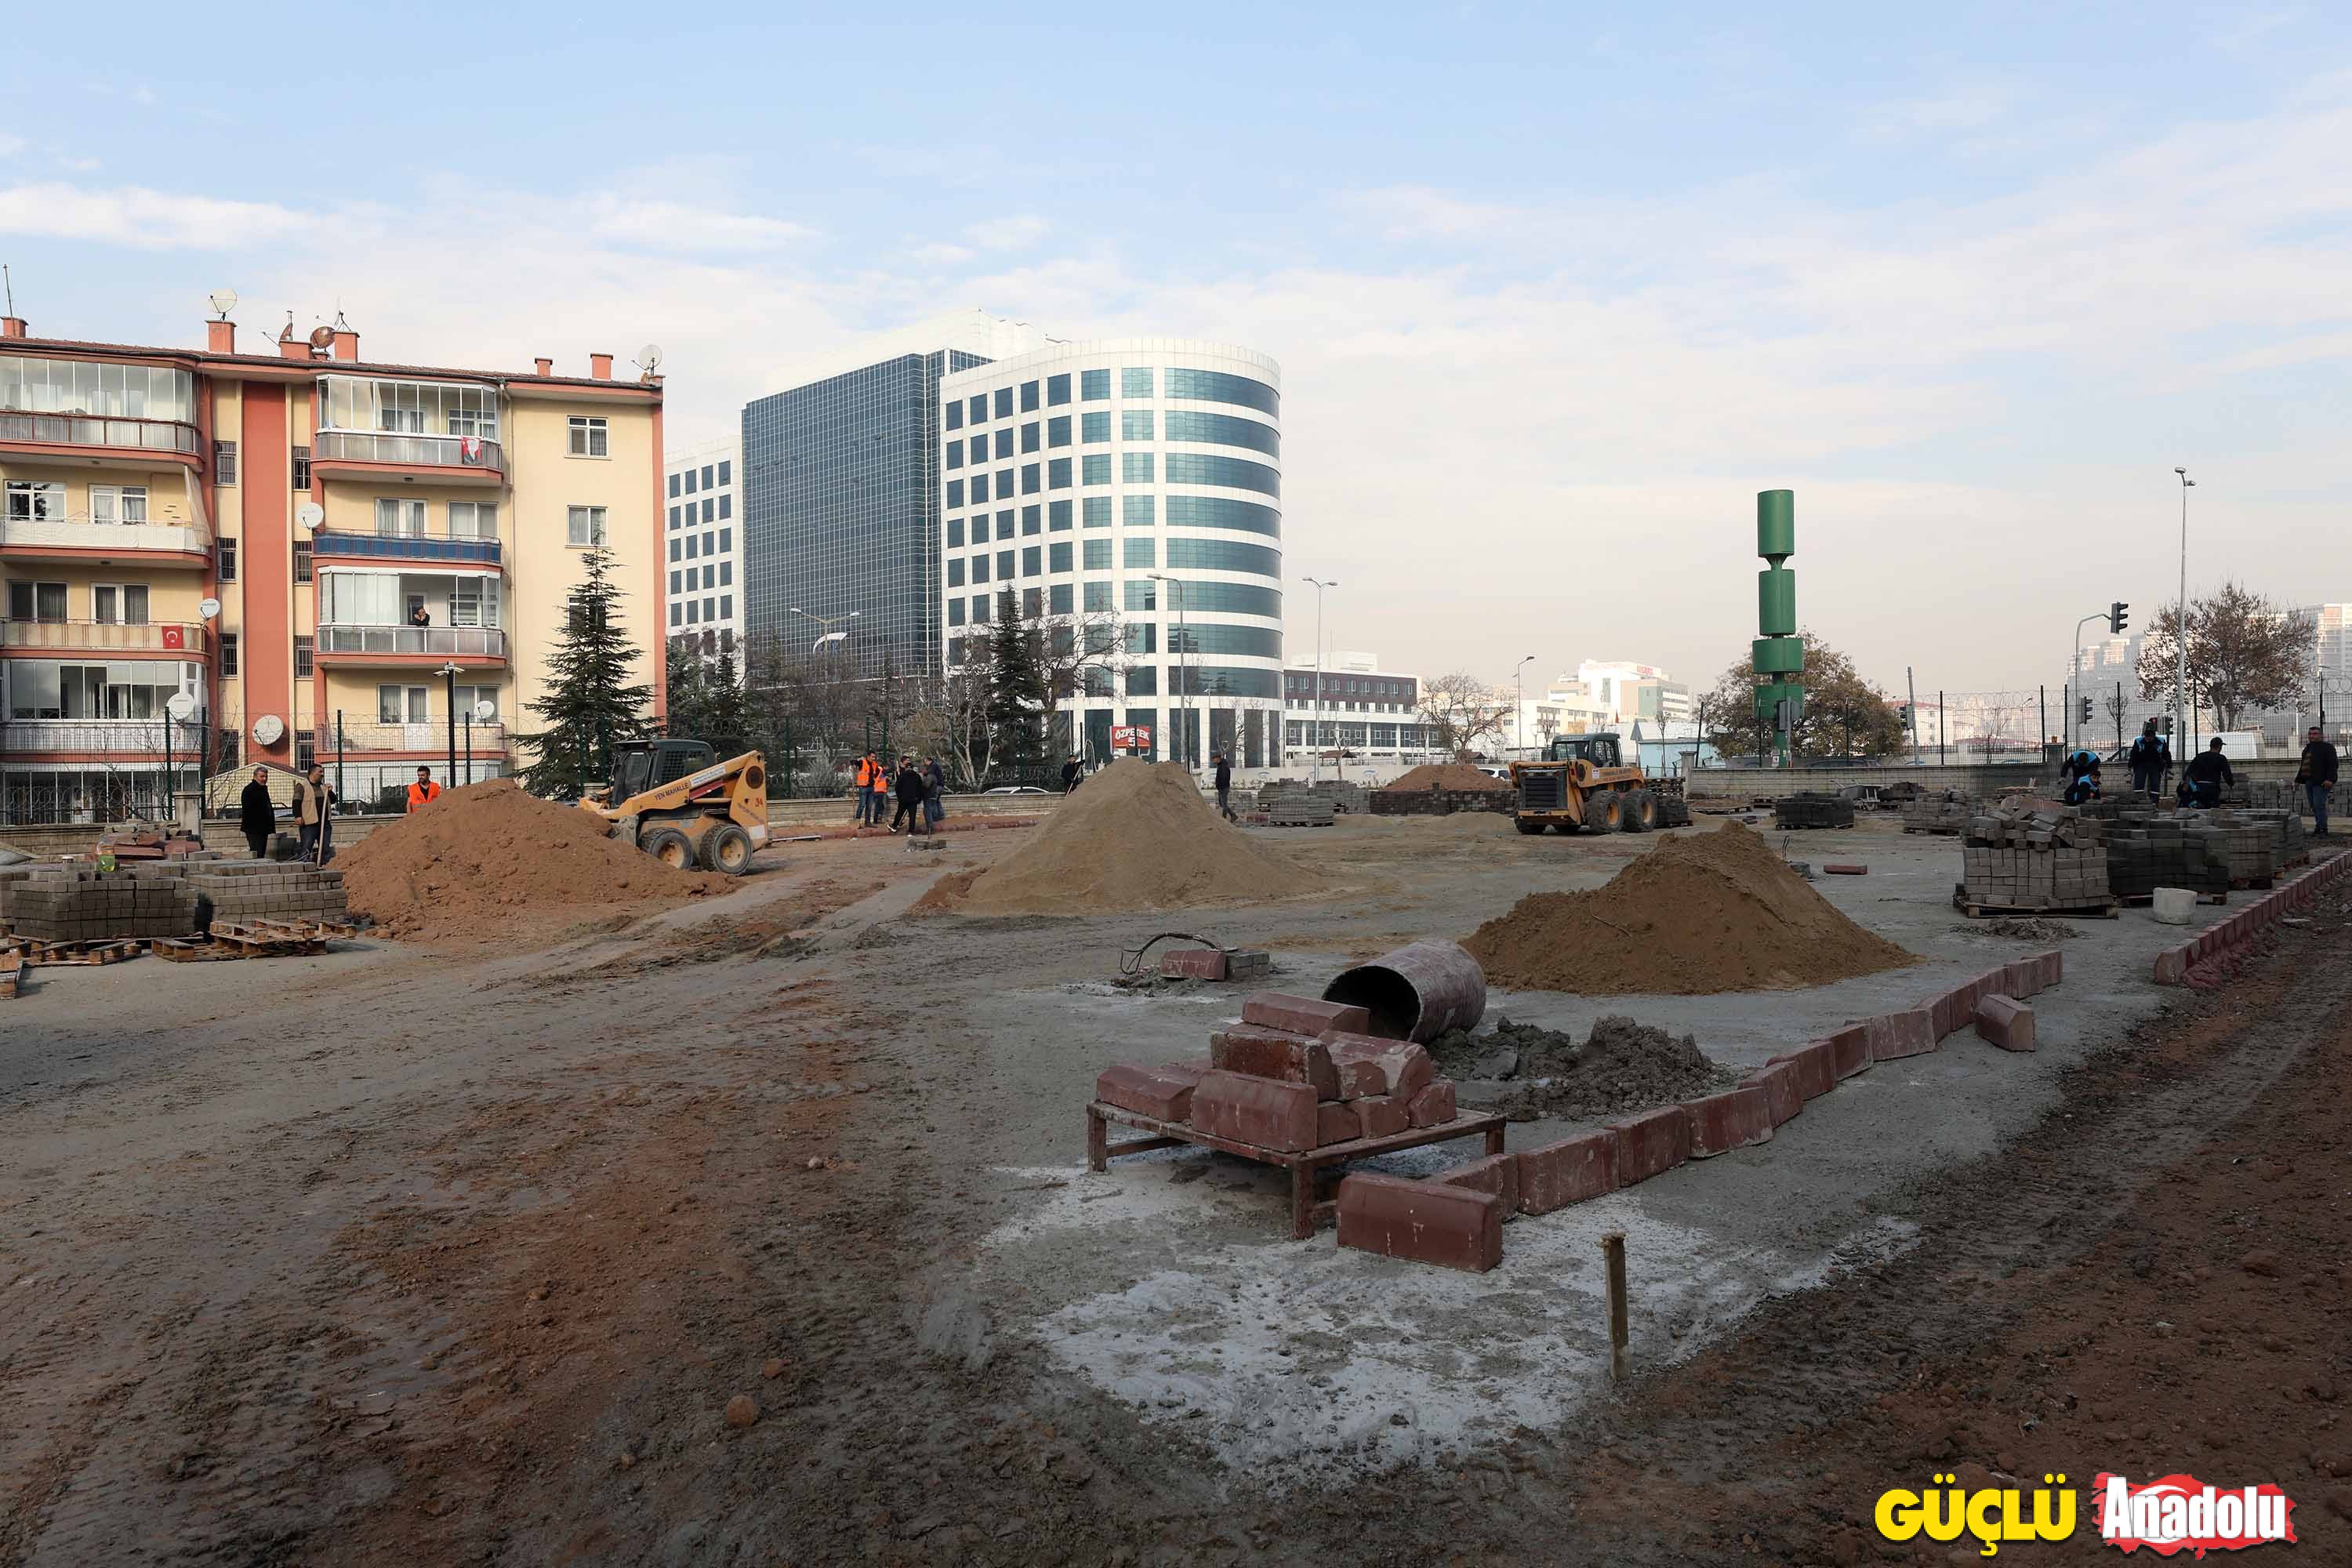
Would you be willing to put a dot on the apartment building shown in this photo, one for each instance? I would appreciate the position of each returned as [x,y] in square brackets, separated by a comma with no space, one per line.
[229,557]
[703,605]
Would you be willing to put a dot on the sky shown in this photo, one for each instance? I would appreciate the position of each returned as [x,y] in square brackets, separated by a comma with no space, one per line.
[1556,290]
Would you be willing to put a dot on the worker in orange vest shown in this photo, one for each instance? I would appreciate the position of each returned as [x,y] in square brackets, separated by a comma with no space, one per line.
[424,792]
[869,784]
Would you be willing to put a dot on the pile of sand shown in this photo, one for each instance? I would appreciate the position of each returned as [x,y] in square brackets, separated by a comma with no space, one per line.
[1446,775]
[476,859]
[1136,835]
[1703,913]
[1622,1066]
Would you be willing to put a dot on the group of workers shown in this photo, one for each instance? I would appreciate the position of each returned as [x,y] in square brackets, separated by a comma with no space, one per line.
[2201,781]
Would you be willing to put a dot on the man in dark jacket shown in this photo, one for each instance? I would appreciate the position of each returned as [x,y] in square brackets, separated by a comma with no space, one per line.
[1071,772]
[255,817]
[2317,776]
[2151,758]
[1224,778]
[912,790]
[935,793]
[2201,780]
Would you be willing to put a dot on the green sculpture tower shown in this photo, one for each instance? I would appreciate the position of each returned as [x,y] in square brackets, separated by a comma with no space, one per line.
[1780,653]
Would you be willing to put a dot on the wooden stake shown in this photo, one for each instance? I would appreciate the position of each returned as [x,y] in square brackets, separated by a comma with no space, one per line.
[1612,1253]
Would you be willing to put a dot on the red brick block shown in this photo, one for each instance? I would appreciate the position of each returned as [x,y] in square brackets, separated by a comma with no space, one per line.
[2020,977]
[1652,1142]
[2171,967]
[1193,964]
[1782,1092]
[1370,1065]
[1276,1054]
[1425,1222]
[1433,1106]
[1259,1111]
[1851,1046]
[1165,1092]
[1303,1014]
[1496,1174]
[1816,1065]
[1381,1115]
[1721,1122]
[1893,1034]
[2053,968]
[1567,1172]
[2005,1022]
[1845,870]
[1335,1122]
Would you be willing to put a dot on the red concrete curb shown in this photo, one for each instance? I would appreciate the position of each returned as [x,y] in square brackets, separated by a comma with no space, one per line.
[2172,965]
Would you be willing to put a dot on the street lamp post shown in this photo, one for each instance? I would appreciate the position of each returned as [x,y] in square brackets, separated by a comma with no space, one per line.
[1519,704]
[1314,755]
[2180,616]
[827,634]
[1183,641]
[449,673]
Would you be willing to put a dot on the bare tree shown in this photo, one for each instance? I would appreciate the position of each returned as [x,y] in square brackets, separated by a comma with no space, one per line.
[1080,654]
[1460,711]
[2244,652]
[2117,707]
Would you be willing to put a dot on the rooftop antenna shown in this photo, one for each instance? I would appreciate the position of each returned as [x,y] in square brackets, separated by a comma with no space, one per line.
[10,285]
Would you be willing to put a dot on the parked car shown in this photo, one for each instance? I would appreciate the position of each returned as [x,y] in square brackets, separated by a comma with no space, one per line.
[1014,789]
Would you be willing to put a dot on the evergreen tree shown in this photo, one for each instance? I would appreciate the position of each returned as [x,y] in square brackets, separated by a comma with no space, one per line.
[589,702]
[727,713]
[687,686]
[1016,693]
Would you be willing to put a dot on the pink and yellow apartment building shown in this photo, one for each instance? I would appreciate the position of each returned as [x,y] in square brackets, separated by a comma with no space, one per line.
[328,558]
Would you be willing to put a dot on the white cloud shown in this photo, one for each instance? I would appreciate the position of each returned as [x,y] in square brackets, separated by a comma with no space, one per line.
[686,229]
[1008,233]
[133,216]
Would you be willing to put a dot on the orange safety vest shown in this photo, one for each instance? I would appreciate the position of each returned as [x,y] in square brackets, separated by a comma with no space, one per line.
[423,794]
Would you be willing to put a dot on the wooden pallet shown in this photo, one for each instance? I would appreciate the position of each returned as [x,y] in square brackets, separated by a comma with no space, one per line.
[2106,909]
[2141,901]
[252,939]
[47,953]
[12,973]
[1936,832]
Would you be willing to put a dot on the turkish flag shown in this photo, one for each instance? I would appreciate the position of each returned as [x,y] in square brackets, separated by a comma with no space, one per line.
[175,638]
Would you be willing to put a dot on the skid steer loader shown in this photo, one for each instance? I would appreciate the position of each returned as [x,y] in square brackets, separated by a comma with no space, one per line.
[1583,785]
[676,801]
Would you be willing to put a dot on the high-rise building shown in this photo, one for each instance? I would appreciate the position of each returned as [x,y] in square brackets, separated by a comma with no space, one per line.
[705,556]
[1133,485]
[841,500]
[314,551]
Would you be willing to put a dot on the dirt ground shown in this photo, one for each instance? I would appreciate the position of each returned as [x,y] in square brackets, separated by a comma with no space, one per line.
[410,1255]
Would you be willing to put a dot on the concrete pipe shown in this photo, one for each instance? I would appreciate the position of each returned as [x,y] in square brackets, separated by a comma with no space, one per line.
[1416,993]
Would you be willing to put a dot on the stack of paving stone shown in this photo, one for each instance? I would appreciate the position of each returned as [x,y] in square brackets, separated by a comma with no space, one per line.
[1812,808]
[1944,813]
[2248,845]
[80,903]
[2152,849]
[2032,856]
[233,892]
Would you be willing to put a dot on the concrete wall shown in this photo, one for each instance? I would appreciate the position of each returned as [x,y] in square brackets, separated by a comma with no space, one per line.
[1973,780]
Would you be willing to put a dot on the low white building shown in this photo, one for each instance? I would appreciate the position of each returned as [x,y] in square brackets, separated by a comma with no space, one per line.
[1362,708]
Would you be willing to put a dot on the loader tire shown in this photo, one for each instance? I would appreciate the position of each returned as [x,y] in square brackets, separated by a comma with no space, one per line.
[1527,827]
[670,846]
[1640,810]
[726,848]
[1603,812]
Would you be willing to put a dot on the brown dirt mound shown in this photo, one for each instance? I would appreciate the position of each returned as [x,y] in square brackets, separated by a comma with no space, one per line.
[1623,1065]
[482,856]
[1446,775]
[1703,913]
[1136,835]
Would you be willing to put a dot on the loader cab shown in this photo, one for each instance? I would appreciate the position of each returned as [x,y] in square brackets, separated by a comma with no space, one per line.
[1601,749]
[641,765]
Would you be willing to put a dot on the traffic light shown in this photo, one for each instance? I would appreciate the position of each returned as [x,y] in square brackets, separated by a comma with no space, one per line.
[2168,726]
[2086,709]
[1903,715]
[2117,618]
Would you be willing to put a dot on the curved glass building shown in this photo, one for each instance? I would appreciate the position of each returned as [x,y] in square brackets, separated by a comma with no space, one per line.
[1129,493]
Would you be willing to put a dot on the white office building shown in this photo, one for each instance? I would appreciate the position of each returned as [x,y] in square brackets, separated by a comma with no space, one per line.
[1365,712]
[1129,489]
[704,597]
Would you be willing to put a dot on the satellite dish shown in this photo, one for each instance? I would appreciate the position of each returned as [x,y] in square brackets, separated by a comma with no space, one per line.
[649,358]
[208,608]
[310,514]
[322,337]
[268,730]
[181,705]
[223,301]
[485,710]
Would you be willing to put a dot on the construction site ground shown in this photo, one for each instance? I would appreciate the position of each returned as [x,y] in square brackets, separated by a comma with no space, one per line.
[408,1254]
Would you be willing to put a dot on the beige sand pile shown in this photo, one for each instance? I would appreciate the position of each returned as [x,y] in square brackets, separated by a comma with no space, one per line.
[1136,835]
[1703,913]
[484,856]
[1446,775]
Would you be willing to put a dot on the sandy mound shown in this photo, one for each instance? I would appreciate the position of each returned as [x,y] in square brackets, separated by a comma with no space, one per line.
[479,856]
[1622,1066]
[1702,912]
[1136,835]
[1446,776]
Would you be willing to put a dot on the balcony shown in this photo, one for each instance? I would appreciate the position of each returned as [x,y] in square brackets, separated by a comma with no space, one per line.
[429,737]
[407,645]
[440,459]
[175,639]
[330,546]
[136,442]
[155,543]
[101,737]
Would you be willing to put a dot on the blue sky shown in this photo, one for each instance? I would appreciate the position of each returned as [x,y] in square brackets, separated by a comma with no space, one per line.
[1555,291]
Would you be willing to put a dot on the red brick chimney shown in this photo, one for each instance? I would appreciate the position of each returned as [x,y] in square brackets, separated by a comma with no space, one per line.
[542,367]
[600,367]
[220,337]
[347,344]
[13,327]
[291,347]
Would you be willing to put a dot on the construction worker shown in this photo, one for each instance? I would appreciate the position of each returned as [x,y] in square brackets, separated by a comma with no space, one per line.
[424,792]
[2083,783]
[2201,780]
[872,782]
[256,818]
[2151,759]
[2317,777]
[1225,777]
[1073,772]
[314,803]
[910,790]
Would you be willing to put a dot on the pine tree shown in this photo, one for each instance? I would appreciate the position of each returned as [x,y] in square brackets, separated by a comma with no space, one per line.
[727,713]
[1016,693]
[589,702]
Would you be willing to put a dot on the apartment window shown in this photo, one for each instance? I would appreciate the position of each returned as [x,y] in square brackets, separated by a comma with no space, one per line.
[673,488]
[955,493]
[1004,564]
[1143,681]
[301,480]
[1135,423]
[673,582]
[1135,468]
[302,656]
[955,533]
[1004,484]
[677,614]
[1030,522]
[591,438]
[980,568]
[1058,473]
[1003,403]
[1135,383]
[980,528]
[708,472]
[708,548]
[32,501]
[709,511]
[1058,557]
[302,565]
[473,520]
[229,653]
[955,619]
[1028,397]
[673,517]
[1095,427]
[226,552]
[726,607]
[1057,516]
[980,608]
[677,550]
[403,704]
[980,408]
[1098,554]
[1033,561]
[1058,430]
[1142,639]
[1032,603]
[726,573]
[709,609]
[1059,599]
[955,418]
[37,601]
[1097,513]
[726,506]
[1004,525]
[1094,386]
[1142,553]
[1003,443]
[1138,512]
[955,454]
[1098,595]
[955,572]
[979,489]
[1032,479]
[585,525]
[693,545]
[1095,470]
[1031,435]
[224,462]
[1058,390]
